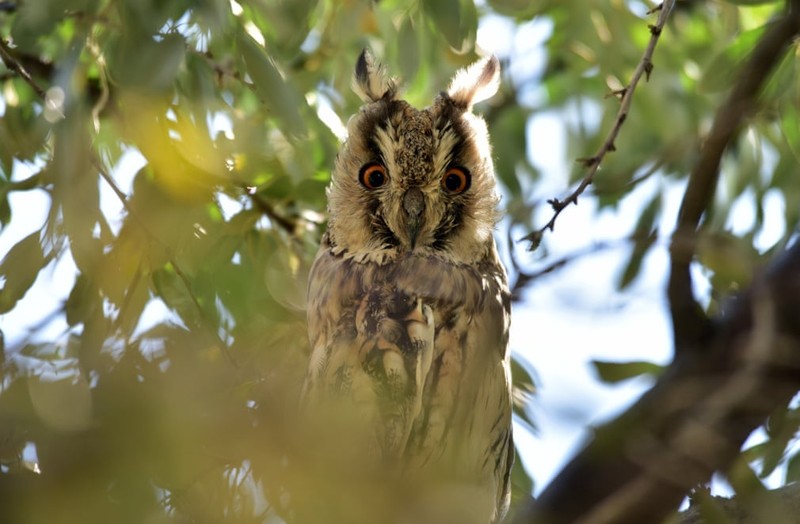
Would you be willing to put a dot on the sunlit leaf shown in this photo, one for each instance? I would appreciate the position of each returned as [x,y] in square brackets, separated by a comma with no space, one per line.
[19,269]
[614,372]
[183,160]
[790,125]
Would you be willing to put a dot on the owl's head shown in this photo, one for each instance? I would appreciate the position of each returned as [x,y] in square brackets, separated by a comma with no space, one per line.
[415,180]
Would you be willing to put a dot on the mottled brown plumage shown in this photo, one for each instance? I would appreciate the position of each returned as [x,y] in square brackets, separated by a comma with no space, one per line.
[408,309]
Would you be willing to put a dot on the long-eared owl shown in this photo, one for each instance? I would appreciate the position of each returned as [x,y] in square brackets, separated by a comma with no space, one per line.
[408,312]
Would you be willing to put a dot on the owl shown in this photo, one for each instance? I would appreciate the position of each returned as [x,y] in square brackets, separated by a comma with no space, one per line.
[408,379]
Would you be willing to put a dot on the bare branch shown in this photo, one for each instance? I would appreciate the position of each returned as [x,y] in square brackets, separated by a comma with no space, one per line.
[645,67]
[695,420]
[7,56]
[524,278]
[689,324]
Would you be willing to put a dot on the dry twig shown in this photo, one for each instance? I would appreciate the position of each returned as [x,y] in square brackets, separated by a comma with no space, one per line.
[645,67]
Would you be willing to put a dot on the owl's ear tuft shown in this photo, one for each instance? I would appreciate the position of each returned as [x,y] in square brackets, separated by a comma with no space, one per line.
[371,82]
[475,83]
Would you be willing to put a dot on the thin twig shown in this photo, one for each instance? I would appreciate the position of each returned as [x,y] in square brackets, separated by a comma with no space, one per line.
[7,56]
[645,67]
[289,225]
[525,278]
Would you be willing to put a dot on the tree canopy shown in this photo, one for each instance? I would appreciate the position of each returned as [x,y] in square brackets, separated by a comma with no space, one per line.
[162,175]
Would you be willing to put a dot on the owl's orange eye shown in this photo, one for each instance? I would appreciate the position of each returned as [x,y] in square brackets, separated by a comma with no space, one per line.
[456,180]
[372,175]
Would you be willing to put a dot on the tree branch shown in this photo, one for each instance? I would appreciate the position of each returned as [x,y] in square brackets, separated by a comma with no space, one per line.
[689,323]
[286,223]
[695,420]
[7,56]
[645,67]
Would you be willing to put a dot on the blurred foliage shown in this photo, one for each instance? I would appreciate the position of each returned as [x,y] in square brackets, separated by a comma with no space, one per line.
[170,391]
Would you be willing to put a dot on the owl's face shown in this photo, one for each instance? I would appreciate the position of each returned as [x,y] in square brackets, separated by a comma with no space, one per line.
[410,180]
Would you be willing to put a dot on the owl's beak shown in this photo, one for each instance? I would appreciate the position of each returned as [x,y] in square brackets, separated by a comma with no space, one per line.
[413,205]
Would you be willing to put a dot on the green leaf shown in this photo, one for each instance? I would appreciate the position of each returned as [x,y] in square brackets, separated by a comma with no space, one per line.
[171,289]
[82,301]
[793,468]
[508,141]
[644,236]
[523,387]
[281,99]
[521,483]
[19,269]
[408,47]
[750,2]
[721,70]
[790,126]
[446,16]
[136,297]
[615,372]
[34,19]
[137,61]
[5,209]
[523,9]
[782,428]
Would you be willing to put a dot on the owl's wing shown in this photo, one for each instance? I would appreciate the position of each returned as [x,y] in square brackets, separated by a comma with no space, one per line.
[371,351]
[409,362]
[465,426]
